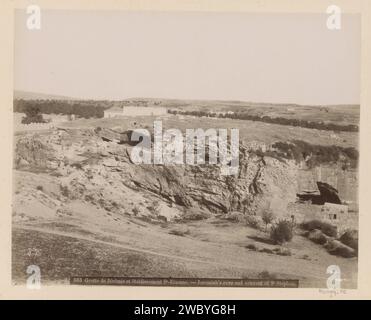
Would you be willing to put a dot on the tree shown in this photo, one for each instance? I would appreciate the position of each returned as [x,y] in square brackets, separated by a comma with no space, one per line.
[33,115]
[267,217]
[282,232]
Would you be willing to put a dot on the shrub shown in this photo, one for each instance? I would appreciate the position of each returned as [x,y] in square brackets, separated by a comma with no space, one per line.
[267,218]
[114,204]
[266,275]
[251,247]
[136,211]
[277,120]
[327,228]
[266,250]
[282,232]
[64,191]
[76,165]
[154,208]
[33,115]
[193,216]
[282,251]
[180,232]
[235,217]
[252,221]
[40,188]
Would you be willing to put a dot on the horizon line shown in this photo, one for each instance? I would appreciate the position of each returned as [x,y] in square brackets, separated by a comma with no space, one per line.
[73,98]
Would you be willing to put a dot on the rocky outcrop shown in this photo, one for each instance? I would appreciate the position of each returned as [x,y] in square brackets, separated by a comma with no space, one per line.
[100,171]
[337,248]
[328,193]
[350,238]
[317,236]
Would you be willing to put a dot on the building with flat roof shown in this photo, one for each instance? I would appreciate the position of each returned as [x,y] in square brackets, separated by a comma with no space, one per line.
[113,112]
[134,111]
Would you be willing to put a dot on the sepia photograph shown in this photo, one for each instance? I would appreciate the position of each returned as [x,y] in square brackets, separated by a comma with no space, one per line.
[186,149]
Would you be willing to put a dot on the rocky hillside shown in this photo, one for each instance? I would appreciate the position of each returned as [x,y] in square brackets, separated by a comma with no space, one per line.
[97,170]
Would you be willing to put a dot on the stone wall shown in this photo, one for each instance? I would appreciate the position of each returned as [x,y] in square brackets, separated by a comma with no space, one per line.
[33,126]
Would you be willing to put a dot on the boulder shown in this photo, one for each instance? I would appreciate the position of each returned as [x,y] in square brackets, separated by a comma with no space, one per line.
[167,213]
[23,162]
[337,248]
[350,238]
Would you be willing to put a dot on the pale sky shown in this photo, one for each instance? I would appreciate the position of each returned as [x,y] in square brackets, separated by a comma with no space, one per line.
[278,58]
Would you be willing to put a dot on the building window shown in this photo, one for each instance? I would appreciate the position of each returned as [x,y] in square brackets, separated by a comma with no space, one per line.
[332,216]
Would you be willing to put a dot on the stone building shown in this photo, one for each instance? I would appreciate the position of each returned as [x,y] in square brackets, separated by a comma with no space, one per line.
[334,212]
[113,112]
[134,111]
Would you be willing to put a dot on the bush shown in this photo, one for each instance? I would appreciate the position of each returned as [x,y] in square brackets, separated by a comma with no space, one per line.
[327,228]
[252,221]
[282,251]
[193,215]
[267,250]
[33,115]
[305,257]
[40,188]
[136,211]
[180,232]
[76,165]
[251,247]
[64,191]
[85,109]
[314,155]
[266,275]
[267,218]
[154,208]
[282,232]
[234,217]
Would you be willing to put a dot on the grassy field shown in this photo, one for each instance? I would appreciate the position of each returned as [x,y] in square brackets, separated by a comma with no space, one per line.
[249,130]
[340,114]
[133,247]
[62,257]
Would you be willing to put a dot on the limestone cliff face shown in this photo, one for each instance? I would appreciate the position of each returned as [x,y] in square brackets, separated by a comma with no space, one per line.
[102,172]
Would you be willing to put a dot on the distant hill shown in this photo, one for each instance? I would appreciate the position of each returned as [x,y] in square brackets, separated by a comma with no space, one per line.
[27,95]
[288,114]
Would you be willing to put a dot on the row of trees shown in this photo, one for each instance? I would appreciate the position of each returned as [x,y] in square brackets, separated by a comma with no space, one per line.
[84,109]
[320,125]
[315,155]
[33,115]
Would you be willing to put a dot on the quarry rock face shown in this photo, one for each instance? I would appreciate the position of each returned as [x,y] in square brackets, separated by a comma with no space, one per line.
[101,172]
